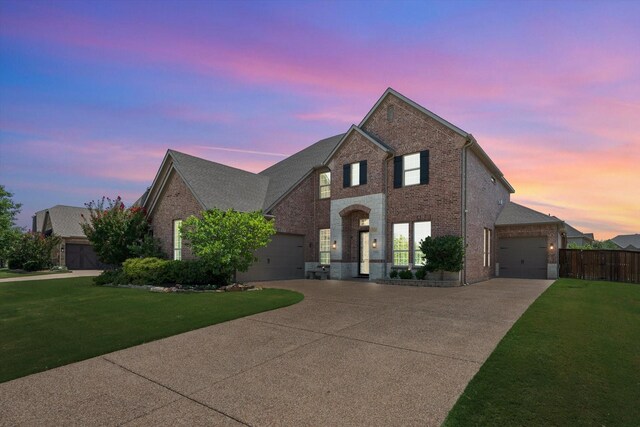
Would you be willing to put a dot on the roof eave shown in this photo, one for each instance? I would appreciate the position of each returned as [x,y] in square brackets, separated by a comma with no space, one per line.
[487,160]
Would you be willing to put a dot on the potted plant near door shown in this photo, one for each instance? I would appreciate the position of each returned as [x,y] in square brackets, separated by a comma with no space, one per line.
[444,257]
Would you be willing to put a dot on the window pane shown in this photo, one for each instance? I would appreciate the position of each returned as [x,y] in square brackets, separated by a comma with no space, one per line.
[177,240]
[325,192]
[325,178]
[412,161]
[401,237]
[325,237]
[412,177]
[421,230]
[325,258]
[364,222]
[355,174]
[401,258]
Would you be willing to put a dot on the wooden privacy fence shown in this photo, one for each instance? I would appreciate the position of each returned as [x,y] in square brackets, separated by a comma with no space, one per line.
[615,266]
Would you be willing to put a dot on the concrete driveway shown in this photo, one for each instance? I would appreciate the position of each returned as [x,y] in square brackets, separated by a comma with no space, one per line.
[69,275]
[350,354]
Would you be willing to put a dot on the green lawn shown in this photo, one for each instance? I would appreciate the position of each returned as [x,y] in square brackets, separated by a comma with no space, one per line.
[572,359]
[49,323]
[6,274]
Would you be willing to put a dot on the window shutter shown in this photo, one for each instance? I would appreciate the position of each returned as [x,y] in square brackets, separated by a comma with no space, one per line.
[346,176]
[363,172]
[397,172]
[424,167]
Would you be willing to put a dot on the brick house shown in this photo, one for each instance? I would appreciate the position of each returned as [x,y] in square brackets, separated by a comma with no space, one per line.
[357,203]
[74,251]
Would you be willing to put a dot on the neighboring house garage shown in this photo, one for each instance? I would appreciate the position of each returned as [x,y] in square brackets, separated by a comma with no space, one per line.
[75,251]
[528,243]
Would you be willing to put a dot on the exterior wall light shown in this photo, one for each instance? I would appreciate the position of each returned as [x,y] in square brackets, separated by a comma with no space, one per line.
[375,243]
[334,245]
[551,246]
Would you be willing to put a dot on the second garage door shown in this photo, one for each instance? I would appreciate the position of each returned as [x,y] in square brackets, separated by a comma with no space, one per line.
[82,257]
[523,257]
[281,259]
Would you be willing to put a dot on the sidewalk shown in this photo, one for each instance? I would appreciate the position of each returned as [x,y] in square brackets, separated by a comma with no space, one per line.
[77,273]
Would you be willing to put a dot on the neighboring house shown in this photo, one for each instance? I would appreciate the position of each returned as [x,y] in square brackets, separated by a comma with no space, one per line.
[578,237]
[360,202]
[75,252]
[629,242]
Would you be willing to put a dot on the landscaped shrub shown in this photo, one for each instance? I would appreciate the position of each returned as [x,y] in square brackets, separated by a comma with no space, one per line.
[32,252]
[111,277]
[421,274]
[393,274]
[406,274]
[443,253]
[193,273]
[146,271]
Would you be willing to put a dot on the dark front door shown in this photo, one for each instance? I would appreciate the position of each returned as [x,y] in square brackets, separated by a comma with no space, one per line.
[523,257]
[363,268]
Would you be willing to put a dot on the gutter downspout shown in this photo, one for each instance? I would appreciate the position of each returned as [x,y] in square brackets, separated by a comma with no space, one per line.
[385,173]
[463,166]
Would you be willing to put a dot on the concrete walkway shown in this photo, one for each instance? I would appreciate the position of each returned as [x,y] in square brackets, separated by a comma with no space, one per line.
[75,273]
[349,354]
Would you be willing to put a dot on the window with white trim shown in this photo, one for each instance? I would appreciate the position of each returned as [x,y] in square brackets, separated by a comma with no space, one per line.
[325,246]
[421,230]
[355,174]
[487,248]
[411,169]
[177,240]
[325,185]
[401,244]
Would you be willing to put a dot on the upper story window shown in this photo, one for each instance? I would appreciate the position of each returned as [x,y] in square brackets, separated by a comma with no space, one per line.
[411,169]
[177,240]
[354,174]
[325,185]
[363,222]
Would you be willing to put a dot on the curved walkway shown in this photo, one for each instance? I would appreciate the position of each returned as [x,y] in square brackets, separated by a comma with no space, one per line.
[349,354]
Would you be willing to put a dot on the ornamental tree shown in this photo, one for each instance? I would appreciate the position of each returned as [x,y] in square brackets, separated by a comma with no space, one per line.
[32,251]
[118,233]
[9,232]
[227,240]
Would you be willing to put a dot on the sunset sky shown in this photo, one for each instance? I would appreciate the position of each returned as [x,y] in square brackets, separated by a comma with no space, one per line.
[92,94]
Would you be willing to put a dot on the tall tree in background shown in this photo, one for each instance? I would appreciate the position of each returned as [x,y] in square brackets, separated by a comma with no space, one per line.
[9,232]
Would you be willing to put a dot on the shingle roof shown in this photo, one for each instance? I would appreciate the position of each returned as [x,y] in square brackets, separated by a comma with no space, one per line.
[514,214]
[66,220]
[626,240]
[39,220]
[220,186]
[575,233]
[286,173]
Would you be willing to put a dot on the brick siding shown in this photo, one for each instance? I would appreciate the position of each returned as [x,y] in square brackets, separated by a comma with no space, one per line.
[176,202]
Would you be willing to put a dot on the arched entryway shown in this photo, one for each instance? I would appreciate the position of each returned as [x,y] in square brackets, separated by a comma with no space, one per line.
[356,244]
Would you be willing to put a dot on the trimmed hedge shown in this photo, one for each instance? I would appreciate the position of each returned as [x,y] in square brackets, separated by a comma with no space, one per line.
[161,272]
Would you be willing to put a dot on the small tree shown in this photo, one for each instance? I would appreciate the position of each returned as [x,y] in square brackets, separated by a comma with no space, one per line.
[227,240]
[118,233]
[9,233]
[443,253]
[32,252]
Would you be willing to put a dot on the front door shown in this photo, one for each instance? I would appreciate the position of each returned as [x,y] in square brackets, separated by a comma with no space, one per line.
[363,270]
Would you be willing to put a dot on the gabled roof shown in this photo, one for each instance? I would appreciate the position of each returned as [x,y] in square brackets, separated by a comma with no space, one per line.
[214,185]
[39,221]
[415,105]
[65,220]
[573,233]
[628,241]
[515,214]
[356,129]
[286,174]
